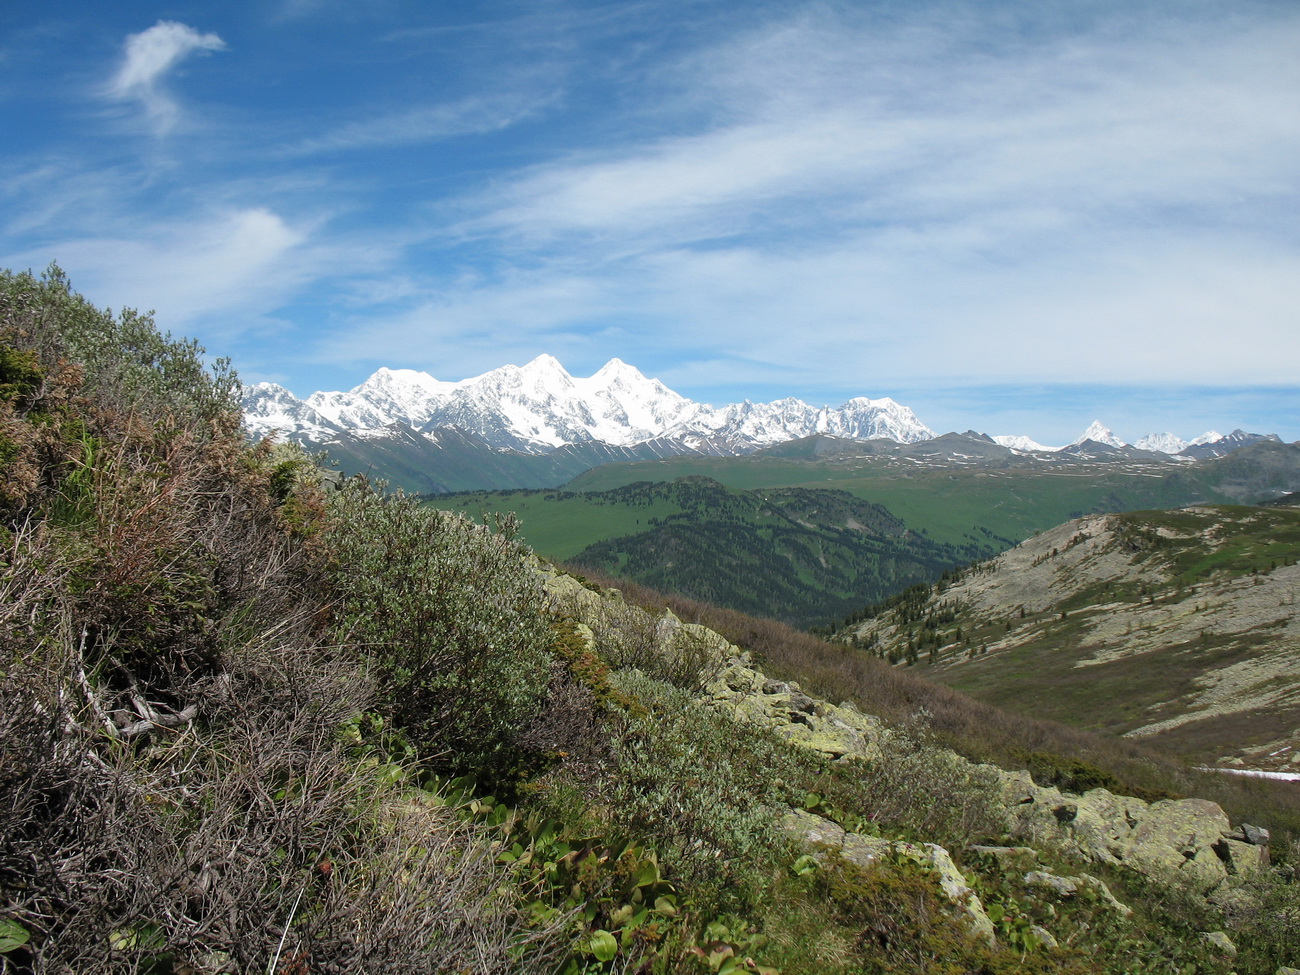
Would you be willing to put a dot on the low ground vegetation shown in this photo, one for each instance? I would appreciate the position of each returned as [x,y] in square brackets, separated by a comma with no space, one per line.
[253,723]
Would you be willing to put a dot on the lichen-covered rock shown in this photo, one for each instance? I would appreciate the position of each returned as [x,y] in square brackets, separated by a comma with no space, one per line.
[836,731]
[1010,859]
[1182,838]
[1178,836]
[866,850]
[1066,888]
[813,829]
[1044,937]
[1220,942]
[1241,858]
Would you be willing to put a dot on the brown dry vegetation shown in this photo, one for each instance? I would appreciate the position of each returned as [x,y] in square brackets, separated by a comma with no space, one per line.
[176,791]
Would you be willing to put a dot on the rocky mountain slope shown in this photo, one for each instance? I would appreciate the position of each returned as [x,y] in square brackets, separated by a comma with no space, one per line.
[1178,627]
[1184,842]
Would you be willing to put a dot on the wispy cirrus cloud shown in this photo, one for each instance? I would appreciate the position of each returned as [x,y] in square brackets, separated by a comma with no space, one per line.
[147,59]
[475,115]
[921,126]
[968,201]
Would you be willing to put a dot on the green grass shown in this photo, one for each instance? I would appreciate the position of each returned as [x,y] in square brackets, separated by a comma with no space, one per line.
[1039,679]
[1231,539]
[949,505]
[560,524]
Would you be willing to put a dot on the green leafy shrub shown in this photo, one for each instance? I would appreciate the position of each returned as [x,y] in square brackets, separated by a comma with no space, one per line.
[449,618]
[655,643]
[710,791]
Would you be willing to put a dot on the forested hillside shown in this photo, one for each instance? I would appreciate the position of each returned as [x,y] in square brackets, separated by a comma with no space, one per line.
[806,556]
[255,720]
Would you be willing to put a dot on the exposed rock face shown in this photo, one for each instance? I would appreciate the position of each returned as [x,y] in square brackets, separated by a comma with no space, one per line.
[1095,567]
[839,732]
[1066,888]
[822,834]
[1190,840]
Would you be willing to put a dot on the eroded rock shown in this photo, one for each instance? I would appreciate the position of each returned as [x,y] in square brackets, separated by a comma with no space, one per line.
[1067,888]
[863,850]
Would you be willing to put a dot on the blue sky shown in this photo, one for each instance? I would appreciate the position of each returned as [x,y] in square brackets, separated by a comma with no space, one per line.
[1012,216]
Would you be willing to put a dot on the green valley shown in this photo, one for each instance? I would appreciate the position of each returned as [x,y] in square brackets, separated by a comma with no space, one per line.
[803,555]
[811,531]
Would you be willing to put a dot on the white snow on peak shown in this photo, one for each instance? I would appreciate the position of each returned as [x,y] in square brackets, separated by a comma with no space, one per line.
[1099,433]
[271,409]
[1021,443]
[389,396]
[539,405]
[1165,443]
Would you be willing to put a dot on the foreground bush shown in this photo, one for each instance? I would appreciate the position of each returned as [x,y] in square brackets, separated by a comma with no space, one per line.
[449,618]
[183,786]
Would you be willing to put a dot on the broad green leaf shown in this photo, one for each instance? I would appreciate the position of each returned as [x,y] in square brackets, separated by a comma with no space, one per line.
[603,945]
[12,935]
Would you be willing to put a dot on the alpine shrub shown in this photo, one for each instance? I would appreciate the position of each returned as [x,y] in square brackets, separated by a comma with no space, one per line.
[449,618]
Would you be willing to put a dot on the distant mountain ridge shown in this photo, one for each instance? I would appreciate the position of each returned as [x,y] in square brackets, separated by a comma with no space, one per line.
[540,407]
[536,425]
[1099,437]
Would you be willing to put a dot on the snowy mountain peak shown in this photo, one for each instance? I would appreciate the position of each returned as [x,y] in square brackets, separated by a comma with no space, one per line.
[1165,443]
[546,367]
[1015,442]
[540,406]
[616,369]
[1098,433]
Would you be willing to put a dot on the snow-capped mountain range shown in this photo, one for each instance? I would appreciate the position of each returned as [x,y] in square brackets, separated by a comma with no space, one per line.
[539,407]
[1099,437]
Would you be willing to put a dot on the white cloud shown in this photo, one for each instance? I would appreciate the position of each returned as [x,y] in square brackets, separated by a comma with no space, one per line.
[223,265]
[472,325]
[1110,203]
[812,119]
[148,57]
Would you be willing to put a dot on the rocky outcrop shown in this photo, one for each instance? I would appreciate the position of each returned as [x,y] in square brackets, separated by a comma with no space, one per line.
[1068,888]
[1188,839]
[839,732]
[824,836]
